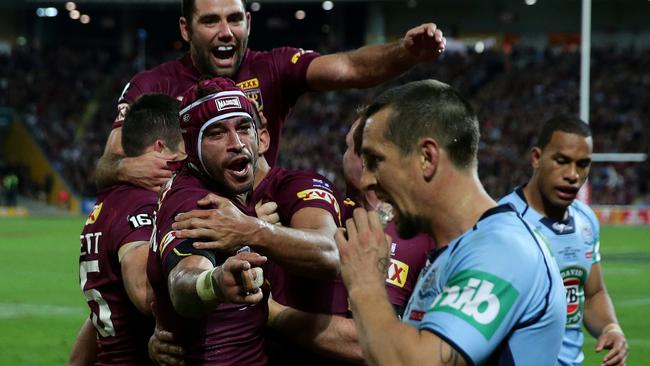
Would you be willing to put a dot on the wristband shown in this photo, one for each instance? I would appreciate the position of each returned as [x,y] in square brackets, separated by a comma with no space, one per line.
[612,328]
[205,286]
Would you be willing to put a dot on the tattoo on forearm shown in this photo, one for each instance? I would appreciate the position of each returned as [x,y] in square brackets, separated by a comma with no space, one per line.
[448,355]
[382,264]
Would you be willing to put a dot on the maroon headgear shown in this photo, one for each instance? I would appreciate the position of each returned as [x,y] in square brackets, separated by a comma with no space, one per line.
[207,103]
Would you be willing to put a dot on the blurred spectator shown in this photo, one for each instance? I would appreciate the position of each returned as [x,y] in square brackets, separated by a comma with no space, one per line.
[67,97]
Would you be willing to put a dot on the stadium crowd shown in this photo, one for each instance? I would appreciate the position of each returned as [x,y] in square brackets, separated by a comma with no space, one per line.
[62,100]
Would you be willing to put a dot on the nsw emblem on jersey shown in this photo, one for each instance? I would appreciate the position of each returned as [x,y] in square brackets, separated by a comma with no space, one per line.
[397,273]
[94,214]
[481,299]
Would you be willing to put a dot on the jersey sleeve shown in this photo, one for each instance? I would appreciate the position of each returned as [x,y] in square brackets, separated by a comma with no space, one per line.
[479,304]
[291,65]
[136,224]
[142,83]
[301,190]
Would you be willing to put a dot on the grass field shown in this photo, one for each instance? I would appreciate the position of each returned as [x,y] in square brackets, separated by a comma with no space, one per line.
[41,307]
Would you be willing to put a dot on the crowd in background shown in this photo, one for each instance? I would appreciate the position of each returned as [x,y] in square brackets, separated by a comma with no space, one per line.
[67,99]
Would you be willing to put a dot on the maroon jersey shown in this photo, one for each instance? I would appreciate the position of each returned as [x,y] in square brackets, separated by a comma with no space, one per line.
[407,258]
[274,79]
[292,191]
[122,215]
[232,334]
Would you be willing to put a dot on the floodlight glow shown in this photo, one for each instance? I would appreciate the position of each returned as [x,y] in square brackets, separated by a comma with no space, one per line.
[530,2]
[40,12]
[84,19]
[256,6]
[328,5]
[70,6]
[300,14]
[479,47]
[51,12]
[75,14]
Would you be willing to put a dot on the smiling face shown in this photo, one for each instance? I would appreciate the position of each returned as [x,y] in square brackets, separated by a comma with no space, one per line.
[218,36]
[561,168]
[229,151]
[391,174]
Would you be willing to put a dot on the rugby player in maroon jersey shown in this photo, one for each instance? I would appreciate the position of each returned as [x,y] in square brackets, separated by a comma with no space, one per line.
[217,31]
[198,296]
[114,242]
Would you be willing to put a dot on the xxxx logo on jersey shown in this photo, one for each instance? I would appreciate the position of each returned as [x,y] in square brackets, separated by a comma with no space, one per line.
[94,214]
[574,280]
[481,299]
[323,195]
[251,89]
[397,273]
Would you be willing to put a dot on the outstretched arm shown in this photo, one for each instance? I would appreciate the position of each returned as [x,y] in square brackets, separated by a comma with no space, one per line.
[600,319]
[371,65]
[148,170]
[196,287]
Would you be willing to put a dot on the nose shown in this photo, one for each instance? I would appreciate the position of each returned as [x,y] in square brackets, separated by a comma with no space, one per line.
[235,143]
[368,180]
[223,32]
[572,174]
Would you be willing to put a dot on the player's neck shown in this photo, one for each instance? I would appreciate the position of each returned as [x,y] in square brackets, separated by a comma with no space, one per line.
[536,200]
[262,168]
[459,206]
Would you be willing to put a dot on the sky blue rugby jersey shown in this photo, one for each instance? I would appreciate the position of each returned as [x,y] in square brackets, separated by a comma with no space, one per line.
[495,294]
[575,246]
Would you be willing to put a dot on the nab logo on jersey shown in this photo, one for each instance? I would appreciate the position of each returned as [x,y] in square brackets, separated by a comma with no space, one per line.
[479,298]
[397,273]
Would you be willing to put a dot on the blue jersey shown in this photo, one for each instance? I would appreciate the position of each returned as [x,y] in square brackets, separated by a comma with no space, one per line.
[574,243]
[494,294]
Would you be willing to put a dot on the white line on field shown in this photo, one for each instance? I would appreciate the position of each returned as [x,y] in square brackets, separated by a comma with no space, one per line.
[8,310]
[632,302]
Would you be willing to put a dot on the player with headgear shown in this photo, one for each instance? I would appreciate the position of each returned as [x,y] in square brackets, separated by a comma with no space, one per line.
[212,302]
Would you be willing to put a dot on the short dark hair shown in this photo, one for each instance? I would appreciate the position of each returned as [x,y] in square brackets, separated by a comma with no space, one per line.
[430,108]
[565,123]
[188,7]
[151,117]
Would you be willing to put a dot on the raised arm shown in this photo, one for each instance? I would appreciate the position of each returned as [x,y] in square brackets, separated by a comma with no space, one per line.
[600,319]
[372,65]
[364,257]
[196,287]
[148,170]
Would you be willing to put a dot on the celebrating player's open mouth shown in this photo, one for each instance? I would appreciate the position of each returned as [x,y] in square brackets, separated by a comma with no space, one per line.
[224,55]
[239,167]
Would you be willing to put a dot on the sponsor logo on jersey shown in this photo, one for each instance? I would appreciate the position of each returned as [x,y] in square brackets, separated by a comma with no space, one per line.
[574,280]
[296,56]
[416,315]
[589,254]
[561,228]
[227,103]
[349,202]
[94,214]
[319,194]
[251,89]
[481,299]
[319,183]
[397,273]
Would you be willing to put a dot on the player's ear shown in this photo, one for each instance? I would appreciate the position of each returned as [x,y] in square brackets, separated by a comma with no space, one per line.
[429,155]
[184,27]
[265,140]
[248,22]
[535,156]
[159,145]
